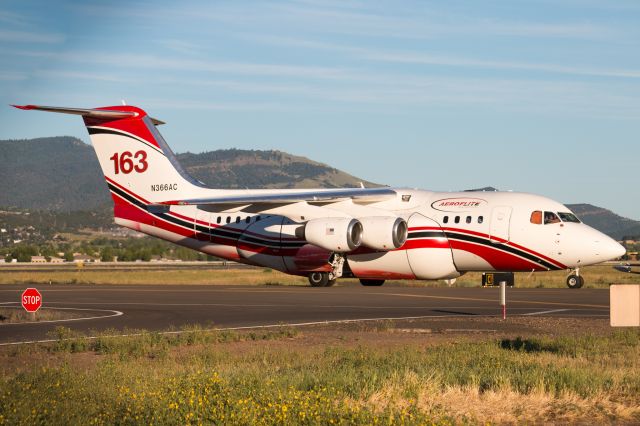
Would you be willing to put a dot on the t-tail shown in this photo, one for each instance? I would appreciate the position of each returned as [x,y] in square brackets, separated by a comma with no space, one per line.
[132,153]
[138,165]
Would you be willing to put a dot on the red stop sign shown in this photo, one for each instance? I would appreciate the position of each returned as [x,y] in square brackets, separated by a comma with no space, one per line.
[31,300]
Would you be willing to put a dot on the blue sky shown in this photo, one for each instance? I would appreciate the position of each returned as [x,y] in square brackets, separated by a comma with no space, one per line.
[535,96]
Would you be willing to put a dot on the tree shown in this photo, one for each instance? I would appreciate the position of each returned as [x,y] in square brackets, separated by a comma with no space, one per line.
[106,254]
[144,254]
[68,256]
[24,253]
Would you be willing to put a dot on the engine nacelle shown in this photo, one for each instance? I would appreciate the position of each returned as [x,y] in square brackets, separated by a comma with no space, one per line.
[336,234]
[384,233]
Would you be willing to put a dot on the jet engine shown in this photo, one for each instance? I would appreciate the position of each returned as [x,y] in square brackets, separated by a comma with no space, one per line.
[336,234]
[384,233]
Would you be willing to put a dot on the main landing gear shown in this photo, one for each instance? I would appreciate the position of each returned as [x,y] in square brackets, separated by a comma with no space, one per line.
[339,268]
[320,279]
[327,279]
[575,280]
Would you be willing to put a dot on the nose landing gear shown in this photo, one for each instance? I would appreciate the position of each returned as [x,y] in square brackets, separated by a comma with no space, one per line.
[575,280]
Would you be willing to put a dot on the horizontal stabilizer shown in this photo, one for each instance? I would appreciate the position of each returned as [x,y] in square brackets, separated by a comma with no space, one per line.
[87,112]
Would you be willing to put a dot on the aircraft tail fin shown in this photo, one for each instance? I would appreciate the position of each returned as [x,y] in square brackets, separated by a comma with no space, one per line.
[135,159]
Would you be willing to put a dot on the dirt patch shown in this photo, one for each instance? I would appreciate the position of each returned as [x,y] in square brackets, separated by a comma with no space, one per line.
[17,314]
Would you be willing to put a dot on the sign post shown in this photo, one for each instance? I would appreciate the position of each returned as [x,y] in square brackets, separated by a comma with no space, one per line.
[503,299]
[31,300]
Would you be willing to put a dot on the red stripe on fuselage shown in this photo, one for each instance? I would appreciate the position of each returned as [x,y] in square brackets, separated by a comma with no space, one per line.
[425,243]
[128,211]
[125,210]
[486,236]
[499,260]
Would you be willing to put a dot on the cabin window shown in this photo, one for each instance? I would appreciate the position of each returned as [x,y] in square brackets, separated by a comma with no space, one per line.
[457,219]
[219,219]
[550,217]
[445,219]
[237,219]
[248,219]
[480,219]
[568,217]
[468,219]
[536,217]
[258,218]
[228,219]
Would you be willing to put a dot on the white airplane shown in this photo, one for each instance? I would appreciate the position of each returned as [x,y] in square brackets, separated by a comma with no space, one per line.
[373,234]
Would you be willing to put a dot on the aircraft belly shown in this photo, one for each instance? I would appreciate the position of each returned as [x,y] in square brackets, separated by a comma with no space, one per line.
[387,265]
[308,258]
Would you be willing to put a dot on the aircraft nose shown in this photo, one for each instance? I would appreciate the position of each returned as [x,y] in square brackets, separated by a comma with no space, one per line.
[610,249]
[590,246]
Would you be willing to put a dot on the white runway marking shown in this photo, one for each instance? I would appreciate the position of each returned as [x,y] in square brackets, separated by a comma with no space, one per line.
[113,313]
[293,305]
[269,326]
[546,312]
[253,327]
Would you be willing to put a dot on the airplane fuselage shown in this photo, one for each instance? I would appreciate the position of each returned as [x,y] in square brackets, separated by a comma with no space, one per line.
[448,234]
[370,233]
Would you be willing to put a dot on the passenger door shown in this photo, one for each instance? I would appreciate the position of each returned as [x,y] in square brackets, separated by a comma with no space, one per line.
[499,226]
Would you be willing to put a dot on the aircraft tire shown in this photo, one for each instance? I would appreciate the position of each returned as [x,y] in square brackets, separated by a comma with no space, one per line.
[318,279]
[371,283]
[330,283]
[575,281]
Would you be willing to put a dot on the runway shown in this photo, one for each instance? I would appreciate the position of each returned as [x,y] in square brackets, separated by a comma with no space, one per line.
[160,307]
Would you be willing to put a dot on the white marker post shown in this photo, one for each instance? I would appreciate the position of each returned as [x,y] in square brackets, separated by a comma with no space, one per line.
[503,299]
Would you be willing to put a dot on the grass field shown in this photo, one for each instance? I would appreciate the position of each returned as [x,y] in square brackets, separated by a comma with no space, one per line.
[18,314]
[595,276]
[307,377]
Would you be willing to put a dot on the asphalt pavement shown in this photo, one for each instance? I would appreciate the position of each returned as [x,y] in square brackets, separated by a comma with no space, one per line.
[160,307]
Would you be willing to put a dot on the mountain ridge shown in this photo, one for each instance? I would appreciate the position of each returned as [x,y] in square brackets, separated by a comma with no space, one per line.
[63,174]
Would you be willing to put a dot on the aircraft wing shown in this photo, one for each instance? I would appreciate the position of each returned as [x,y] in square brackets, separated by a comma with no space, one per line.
[297,205]
[363,195]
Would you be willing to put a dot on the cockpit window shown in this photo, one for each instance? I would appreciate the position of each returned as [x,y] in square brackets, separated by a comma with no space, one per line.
[568,217]
[550,217]
[536,217]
